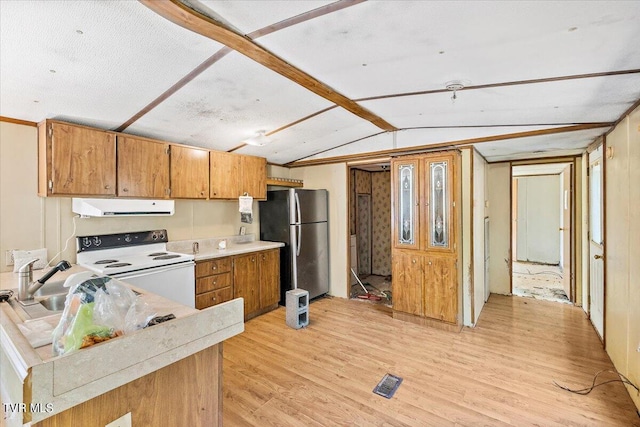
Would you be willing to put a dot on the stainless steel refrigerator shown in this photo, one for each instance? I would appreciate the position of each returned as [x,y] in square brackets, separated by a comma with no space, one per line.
[299,219]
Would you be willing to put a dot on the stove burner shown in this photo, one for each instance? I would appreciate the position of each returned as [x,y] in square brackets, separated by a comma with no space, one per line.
[167,256]
[119,264]
[105,261]
[157,254]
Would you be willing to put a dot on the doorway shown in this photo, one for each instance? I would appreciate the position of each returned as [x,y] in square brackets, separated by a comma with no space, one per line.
[596,240]
[541,231]
[370,233]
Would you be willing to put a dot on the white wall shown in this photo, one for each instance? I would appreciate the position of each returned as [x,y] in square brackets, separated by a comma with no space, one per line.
[538,222]
[473,214]
[30,222]
[467,238]
[333,178]
[498,196]
[479,197]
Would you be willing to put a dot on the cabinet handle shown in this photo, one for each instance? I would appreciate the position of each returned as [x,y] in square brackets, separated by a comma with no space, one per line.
[125,189]
[264,257]
[215,267]
[413,261]
[215,194]
[106,187]
[429,262]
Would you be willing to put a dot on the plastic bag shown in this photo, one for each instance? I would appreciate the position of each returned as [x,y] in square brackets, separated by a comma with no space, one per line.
[97,308]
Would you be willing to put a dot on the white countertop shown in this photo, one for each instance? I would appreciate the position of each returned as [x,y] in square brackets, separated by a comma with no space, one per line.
[208,248]
[70,379]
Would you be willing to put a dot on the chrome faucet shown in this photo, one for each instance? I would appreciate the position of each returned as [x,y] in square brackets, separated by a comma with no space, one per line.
[27,287]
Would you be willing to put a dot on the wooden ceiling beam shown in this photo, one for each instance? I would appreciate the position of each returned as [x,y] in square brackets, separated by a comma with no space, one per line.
[449,144]
[180,14]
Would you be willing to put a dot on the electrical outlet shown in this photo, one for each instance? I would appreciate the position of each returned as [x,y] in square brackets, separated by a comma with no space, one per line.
[8,257]
[123,421]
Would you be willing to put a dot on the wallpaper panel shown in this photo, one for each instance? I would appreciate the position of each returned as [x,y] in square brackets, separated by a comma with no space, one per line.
[381,223]
[363,182]
[352,200]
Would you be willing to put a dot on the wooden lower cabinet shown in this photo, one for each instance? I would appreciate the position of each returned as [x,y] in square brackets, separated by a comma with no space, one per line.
[214,282]
[185,393]
[440,289]
[407,272]
[246,282]
[269,265]
[425,286]
[254,276]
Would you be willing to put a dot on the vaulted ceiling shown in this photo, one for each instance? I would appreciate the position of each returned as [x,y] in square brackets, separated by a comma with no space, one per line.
[327,79]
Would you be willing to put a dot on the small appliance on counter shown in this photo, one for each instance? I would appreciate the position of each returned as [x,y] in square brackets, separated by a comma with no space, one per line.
[141,259]
[299,219]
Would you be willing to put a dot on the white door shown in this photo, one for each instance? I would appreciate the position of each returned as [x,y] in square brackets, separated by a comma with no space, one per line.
[596,242]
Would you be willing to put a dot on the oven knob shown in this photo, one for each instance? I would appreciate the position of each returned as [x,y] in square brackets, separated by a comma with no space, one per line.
[86,242]
[154,236]
[97,241]
[127,238]
[162,235]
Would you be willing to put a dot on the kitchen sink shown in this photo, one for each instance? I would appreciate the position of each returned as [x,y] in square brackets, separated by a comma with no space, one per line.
[54,302]
[51,288]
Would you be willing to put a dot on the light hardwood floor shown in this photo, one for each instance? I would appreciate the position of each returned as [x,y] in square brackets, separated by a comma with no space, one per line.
[499,373]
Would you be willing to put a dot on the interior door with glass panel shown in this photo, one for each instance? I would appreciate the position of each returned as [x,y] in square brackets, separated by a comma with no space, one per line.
[596,242]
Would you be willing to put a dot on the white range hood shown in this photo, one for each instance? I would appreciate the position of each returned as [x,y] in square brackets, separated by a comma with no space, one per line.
[122,207]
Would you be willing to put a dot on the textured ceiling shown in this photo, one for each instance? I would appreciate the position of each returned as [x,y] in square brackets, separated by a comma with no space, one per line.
[119,65]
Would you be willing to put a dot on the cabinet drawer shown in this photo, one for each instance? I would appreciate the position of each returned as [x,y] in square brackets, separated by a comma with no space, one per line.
[212,298]
[216,266]
[210,283]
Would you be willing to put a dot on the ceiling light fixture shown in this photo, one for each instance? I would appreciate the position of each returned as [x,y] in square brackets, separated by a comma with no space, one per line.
[259,140]
[454,86]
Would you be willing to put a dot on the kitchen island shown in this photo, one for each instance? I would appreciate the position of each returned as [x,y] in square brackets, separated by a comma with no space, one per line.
[168,374]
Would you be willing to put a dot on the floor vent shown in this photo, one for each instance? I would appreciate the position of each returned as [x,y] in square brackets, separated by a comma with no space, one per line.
[388,386]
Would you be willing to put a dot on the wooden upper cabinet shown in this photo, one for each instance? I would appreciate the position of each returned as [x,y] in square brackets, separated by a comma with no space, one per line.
[143,168]
[254,176]
[405,211]
[189,172]
[75,160]
[225,175]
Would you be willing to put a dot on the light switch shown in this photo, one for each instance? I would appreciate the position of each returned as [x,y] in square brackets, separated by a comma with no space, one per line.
[123,421]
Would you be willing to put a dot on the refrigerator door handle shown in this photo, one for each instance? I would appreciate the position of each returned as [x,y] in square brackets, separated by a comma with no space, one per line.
[298,223]
[294,260]
[299,218]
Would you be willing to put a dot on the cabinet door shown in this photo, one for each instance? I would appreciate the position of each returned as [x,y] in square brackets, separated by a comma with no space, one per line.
[189,173]
[225,175]
[246,283]
[439,230]
[254,176]
[143,168]
[405,213]
[440,288]
[79,161]
[269,277]
[408,272]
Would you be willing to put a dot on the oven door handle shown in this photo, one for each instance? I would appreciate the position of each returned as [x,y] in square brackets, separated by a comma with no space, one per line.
[148,272]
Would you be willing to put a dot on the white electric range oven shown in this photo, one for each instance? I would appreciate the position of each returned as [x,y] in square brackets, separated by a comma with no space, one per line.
[142,260]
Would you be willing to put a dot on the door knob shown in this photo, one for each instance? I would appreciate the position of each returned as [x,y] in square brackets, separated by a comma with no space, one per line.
[598,256]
